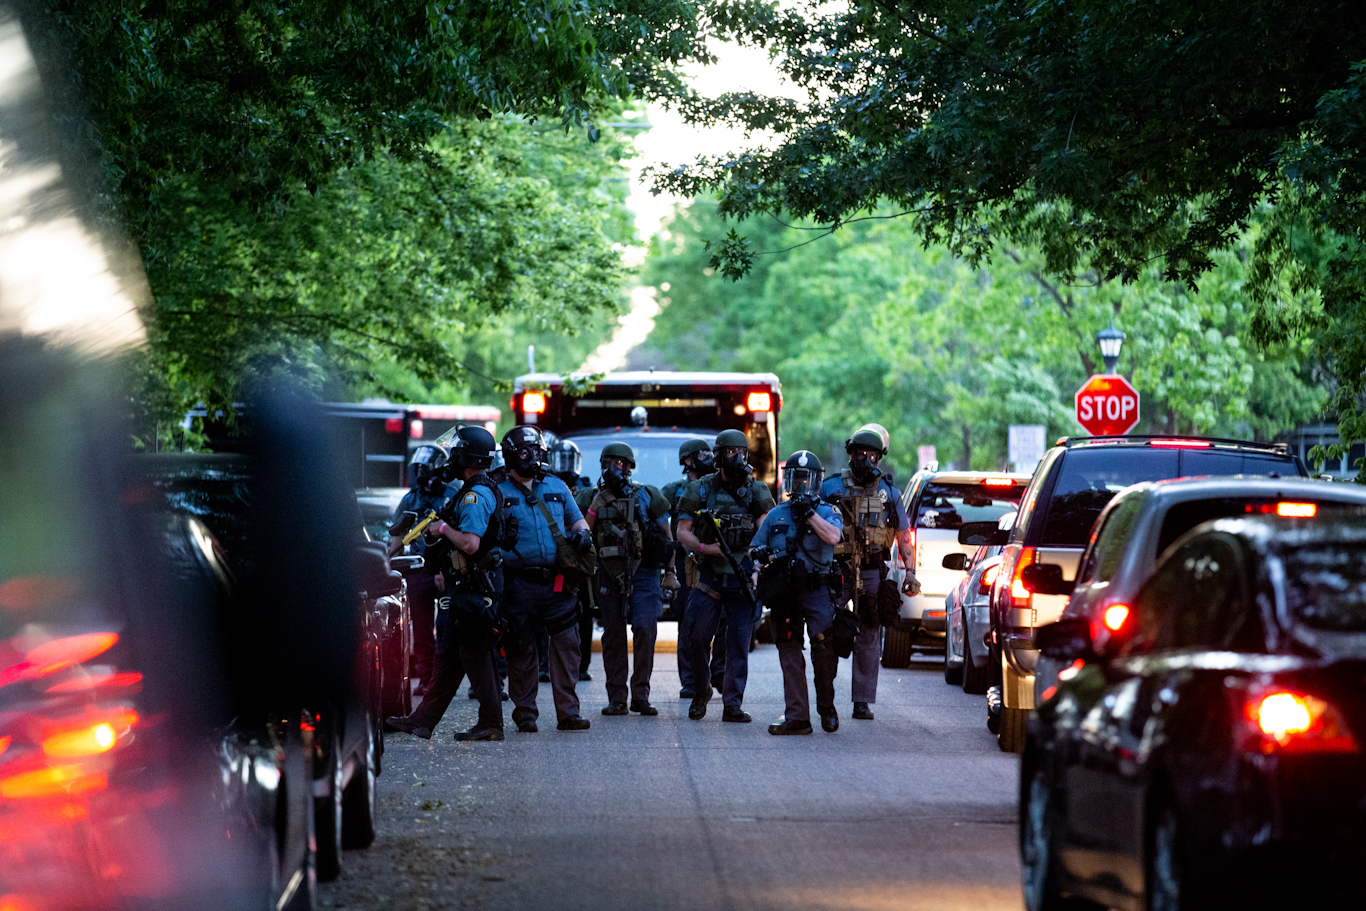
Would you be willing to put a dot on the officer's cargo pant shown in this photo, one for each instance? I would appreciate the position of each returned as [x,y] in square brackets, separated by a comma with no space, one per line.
[538,604]
[819,614]
[422,595]
[739,616]
[716,651]
[460,653]
[868,646]
[647,603]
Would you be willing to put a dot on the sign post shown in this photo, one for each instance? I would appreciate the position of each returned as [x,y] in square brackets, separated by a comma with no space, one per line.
[1107,405]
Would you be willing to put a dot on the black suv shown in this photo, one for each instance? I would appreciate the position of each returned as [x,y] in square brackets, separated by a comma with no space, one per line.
[1073,483]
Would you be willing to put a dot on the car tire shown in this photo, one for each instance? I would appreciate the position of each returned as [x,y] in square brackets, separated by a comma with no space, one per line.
[296,794]
[327,812]
[896,647]
[975,679]
[953,676]
[1165,885]
[358,800]
[1038,860]
[1011,736]
[395,686]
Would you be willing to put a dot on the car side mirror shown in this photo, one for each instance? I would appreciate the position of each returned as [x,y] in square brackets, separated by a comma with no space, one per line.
[982,534]
[1066,640]
[955,562]
[1045,579]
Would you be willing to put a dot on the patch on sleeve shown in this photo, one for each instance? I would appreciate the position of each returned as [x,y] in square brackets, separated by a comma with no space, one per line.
[470,498]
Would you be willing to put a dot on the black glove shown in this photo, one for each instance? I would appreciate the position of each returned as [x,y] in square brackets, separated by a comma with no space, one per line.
[803,506]
[582,539]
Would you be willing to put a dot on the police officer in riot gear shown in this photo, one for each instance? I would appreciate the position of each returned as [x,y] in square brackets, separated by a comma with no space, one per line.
[630,524]
[696,458]
[797,540]
[463,546]
[566,463]
[428,494]
[738,503]
[874,517]
[537,593]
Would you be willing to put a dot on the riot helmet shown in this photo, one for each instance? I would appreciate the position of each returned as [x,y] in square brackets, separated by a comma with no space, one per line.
[525,451]
[696,456]
[473,447]
[565,459]
[866,449]
[618,460]
[498,471]
[732,453]
[427,468]
[802,474]
[881,432]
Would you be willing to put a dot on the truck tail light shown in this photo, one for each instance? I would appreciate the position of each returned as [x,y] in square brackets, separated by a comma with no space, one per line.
[911,561]
[1284,721]
[533,402]
[759,401]
[415,429]
[1019,595]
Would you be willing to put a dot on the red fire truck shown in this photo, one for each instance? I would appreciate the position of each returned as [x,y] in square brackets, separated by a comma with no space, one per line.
[655,412]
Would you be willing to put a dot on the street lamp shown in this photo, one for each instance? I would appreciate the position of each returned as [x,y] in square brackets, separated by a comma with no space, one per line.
[1110,341]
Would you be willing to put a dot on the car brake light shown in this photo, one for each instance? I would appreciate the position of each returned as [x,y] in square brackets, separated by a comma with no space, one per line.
[56,781]
[1115,616]
[89,736]
[759,401]
[533,402]
[1182,444]
[1020,595]
[58,655]
[997,482]
[1291,722]
[4,744]
[988,577]
[393,425]
[415,429]
[1296,510]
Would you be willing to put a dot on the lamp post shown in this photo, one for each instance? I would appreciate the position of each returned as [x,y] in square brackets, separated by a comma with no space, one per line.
[1110,341]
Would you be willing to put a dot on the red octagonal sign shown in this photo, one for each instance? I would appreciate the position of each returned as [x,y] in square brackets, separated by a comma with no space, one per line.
[1107,405]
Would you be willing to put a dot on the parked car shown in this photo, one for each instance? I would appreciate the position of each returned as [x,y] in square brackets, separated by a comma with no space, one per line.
[938,503]
[1073,483]
[1209,753]
[968,644]
[1142,521]
[377,506]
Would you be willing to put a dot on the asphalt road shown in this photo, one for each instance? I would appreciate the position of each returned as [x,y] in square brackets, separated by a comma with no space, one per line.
[915,810]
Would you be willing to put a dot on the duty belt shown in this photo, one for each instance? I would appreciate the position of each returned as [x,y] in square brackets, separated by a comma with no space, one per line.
[538,574]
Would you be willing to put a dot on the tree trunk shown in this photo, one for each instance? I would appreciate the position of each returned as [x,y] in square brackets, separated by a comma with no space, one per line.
[967,447]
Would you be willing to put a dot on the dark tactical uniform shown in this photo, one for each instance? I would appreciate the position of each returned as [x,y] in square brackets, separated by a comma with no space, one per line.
[872,514]
[422,593]
[784,535]
[718,591]
[673,493]
[466,614]
[537,597]
[588,605]
[625,575]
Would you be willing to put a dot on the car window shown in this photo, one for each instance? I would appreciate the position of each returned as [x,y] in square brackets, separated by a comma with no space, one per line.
[1111,540]
[1089,478]
[1326,586]
[1162,593]
[949,505]
[1210,612]
[656,457]
[1218,462]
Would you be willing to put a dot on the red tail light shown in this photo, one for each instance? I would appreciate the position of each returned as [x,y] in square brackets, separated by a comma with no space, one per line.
[1115,616]
[58,655]
[1289,722]
[988,577]
[1181,444]
[997,482]
[912,554]
[89,735]
[1019,595]
[1297,510]
[759,401]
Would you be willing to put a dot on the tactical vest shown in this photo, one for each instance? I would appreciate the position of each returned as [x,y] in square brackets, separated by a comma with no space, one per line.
[500,534]
[616,530]
[867,525]
[736,518]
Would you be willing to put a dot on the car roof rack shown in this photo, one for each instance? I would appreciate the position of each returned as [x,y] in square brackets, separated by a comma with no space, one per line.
[1175,440]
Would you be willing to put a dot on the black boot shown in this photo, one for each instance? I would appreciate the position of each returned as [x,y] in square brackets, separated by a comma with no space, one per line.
[790,727]
[862,712]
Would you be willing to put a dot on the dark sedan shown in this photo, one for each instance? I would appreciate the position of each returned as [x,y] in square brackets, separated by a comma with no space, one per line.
[1211,755]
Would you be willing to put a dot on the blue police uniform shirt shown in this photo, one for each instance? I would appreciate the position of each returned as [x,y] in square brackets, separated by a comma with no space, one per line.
[834,487]
[415,500]
[471,515]
[535,545]
[780,526]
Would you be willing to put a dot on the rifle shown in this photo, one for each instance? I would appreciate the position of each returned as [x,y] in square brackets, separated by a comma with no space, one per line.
[409,526]
[709,516]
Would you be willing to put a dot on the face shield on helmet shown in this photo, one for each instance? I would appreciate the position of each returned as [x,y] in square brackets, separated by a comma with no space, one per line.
[566,459]
[802,475]
[426,468]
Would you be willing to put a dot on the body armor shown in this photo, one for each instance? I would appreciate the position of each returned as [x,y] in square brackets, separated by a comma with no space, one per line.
[735,517]
[617,532]
[474,572]
[867,526]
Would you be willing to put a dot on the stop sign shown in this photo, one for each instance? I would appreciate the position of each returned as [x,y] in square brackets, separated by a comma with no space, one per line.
[1107,405]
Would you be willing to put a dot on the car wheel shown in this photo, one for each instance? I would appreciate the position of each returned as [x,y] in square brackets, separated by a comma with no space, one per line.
[896,647]
[1011,736]
[975,679]
[1164,881]
[299,886]
[953,676]
[1037,859]
[395,686]
[327,811]
[358,800]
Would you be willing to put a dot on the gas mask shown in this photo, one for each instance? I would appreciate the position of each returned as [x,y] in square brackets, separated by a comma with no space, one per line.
[429,481]
[863,465]
[702,463]
[616,474]
[526,461]
[734,463]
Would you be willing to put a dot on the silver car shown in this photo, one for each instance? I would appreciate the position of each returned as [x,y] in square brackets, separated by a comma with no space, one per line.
[967,647]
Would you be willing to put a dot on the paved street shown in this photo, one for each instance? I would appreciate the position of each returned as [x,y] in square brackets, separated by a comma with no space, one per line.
[914,810]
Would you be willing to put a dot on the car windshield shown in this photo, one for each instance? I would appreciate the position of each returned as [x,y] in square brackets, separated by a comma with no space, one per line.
[1326,586]
[656,454]
[949,505]
[218,500]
